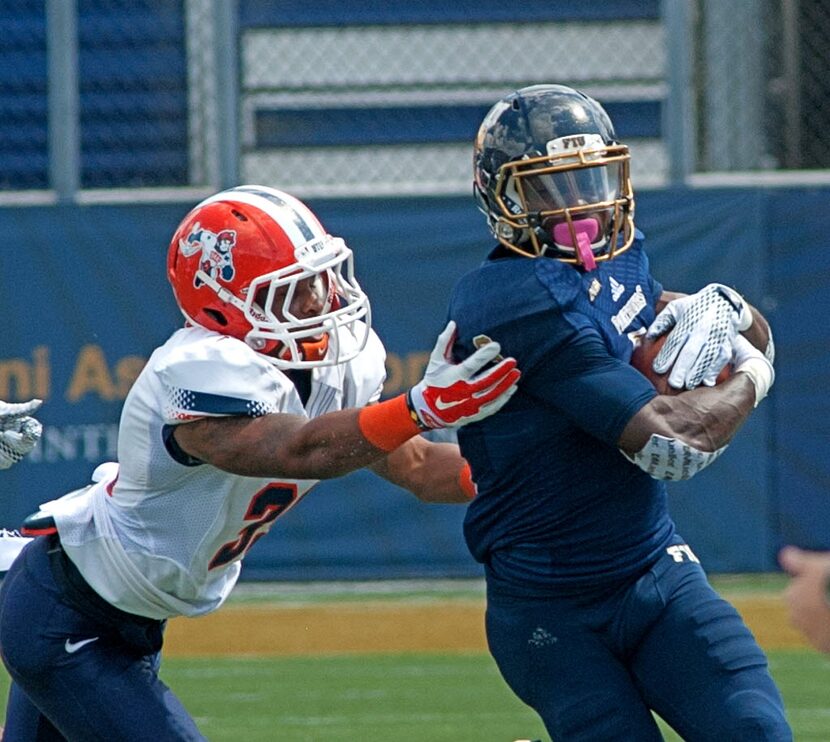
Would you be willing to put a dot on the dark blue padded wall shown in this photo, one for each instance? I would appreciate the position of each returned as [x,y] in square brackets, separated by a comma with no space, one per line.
[86,300]
[798,274]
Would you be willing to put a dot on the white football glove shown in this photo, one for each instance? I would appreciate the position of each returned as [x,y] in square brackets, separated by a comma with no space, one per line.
[705,326]
[19,432]
[451,395]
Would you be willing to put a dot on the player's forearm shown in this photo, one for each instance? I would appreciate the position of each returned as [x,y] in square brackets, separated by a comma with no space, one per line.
[281,445]
[705,418]
[433,472]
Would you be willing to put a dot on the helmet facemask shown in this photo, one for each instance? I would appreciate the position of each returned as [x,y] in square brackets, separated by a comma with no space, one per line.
[291,341]
[343,305]
[575,203]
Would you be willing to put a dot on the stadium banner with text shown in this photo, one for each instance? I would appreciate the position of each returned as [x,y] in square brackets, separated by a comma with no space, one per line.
[85,300]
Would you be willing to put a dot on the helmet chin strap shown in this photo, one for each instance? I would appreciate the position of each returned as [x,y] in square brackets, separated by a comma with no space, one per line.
[586,231]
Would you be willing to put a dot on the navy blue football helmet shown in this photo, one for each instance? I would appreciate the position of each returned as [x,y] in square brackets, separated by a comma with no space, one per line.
[552,178]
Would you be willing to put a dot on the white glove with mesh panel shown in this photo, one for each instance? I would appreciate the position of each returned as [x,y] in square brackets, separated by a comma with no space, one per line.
[704,325]
[454,394]
[19,432]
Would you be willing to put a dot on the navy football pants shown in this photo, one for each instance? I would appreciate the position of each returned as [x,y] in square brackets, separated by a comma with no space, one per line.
[593,666]
[66,686]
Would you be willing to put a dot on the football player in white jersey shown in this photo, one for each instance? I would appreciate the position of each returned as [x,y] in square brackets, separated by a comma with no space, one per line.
[273,384]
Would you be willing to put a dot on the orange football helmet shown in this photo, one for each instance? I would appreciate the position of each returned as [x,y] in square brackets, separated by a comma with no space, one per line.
[240,260]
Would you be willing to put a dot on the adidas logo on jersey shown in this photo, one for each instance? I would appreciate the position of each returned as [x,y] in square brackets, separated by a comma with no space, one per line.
[594,289]
[617,289]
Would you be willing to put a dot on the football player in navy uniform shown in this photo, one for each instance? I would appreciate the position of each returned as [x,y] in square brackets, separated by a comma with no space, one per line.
[598,612]
[273,383]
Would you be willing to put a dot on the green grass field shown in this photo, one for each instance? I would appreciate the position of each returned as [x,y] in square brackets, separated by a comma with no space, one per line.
[422,697]
[416,697]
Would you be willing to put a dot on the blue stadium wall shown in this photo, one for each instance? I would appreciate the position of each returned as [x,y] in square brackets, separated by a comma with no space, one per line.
[85,300]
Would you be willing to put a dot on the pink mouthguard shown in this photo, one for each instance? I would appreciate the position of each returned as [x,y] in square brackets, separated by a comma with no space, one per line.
[586,231]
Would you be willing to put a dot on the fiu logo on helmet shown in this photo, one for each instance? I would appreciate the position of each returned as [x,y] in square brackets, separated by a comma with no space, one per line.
[216,258]
[577,141]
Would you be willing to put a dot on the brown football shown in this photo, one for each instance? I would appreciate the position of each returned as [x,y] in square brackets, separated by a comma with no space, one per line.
[644,355]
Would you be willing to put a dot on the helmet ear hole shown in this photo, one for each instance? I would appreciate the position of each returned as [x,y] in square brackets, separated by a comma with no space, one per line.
[216,316]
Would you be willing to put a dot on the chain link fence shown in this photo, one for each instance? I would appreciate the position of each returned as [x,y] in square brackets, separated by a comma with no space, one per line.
[798,74]
[407,100]
[323,99]
[762,73]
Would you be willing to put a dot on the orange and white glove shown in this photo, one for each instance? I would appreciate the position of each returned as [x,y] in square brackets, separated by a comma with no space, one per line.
[454,394]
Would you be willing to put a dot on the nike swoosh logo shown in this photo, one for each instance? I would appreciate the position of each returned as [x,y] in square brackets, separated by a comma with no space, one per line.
[441,405]
[72,647]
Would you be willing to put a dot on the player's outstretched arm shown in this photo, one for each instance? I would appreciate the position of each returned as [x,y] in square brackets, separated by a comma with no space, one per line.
[280,445]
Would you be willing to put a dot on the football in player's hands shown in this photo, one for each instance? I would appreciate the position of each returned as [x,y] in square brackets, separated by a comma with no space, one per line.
[643,357]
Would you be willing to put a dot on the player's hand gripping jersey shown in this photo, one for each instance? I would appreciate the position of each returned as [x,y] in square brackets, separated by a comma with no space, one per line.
[163,534]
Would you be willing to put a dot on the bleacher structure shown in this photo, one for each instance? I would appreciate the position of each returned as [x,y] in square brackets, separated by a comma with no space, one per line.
[374,99]
[374,106]
[330,98]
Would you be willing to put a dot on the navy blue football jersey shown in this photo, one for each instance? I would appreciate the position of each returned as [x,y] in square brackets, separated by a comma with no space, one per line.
[557,503]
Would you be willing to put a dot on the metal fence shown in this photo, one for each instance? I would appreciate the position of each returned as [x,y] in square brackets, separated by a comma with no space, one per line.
[762,84]
[798,82]
[369,99]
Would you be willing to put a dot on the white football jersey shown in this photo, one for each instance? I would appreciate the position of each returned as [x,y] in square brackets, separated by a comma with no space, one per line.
[162,535]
